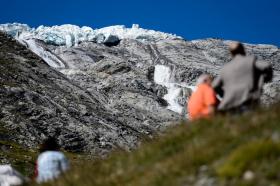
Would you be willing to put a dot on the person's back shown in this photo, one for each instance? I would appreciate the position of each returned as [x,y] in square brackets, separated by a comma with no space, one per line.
[241,80]
[238,81]
[50,165]
[202,101]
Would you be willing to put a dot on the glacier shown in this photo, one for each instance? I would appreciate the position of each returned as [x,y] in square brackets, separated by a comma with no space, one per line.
[51,59]
[15,28]
[71,35]
[164,75]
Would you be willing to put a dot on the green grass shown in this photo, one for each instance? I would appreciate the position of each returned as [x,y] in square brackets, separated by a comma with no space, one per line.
[249,156]
[227,146]
[21,158]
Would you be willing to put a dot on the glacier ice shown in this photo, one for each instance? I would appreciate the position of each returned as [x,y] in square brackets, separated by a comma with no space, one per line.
[15,28]
[163,76]
[51,59]
[71,35]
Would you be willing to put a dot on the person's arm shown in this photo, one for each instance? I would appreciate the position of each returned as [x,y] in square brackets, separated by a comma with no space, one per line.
[265,69]
[35,170]
[210,100]
[218,86]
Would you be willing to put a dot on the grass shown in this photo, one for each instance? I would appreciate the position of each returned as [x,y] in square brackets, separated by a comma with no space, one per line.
[219,150]
[21,158]
[249,156]
[227,146]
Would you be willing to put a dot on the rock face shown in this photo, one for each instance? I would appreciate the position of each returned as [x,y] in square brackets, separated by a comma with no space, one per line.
[96,96]
[166,68]
[83,112]
[37,101]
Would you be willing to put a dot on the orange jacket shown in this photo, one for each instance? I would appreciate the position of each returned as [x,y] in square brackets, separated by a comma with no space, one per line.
[200,100]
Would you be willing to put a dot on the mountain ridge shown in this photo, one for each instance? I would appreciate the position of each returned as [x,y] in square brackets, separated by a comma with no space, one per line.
[107,97]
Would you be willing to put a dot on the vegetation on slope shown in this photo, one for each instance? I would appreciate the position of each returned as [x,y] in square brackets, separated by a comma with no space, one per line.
[226,150]
[10,152]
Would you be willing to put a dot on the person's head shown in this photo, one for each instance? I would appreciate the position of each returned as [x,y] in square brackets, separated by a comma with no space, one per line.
[205,78]
[50,144]
[236,48]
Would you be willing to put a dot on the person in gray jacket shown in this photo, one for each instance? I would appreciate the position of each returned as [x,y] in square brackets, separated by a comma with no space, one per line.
[241,80]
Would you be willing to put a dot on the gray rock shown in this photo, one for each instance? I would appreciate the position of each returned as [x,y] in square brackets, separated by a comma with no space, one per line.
[105,97]
[111,40]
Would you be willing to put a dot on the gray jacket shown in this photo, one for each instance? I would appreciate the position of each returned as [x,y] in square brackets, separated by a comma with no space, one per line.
[241,81]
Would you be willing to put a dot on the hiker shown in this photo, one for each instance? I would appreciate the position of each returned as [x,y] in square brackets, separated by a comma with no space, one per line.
[10,177]
[50,163]
[203,100]
[241,81]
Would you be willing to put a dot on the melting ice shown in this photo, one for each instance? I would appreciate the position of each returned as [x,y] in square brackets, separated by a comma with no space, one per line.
[163,76]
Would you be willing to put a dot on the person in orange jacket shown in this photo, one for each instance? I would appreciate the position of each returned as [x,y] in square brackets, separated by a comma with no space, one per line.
[203,101]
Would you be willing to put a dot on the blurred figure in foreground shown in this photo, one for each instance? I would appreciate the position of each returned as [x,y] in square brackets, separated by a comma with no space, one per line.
[10,177]
[241,80]
[203,100]
[50,163]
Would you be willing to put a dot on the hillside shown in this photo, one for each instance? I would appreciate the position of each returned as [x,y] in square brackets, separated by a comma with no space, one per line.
[226,150]
[37,101]
[115,89]
[100,95]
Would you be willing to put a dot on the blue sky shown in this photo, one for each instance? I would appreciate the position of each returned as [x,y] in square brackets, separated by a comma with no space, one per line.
[253,21]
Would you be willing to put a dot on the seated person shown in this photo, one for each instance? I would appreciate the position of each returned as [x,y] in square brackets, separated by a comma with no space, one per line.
[50,163]
[10,176]
[203,100]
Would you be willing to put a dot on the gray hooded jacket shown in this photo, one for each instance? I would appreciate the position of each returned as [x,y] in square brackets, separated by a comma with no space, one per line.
[241,81]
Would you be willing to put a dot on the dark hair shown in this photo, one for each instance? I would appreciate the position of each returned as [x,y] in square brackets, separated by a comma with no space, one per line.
[237,48]
[50,144]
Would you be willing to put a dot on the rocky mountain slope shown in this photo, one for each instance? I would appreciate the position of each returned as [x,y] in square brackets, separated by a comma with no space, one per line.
[37,101]
[106,88]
